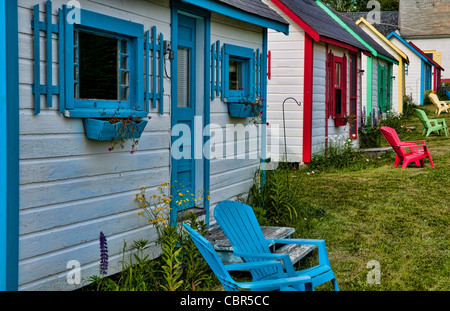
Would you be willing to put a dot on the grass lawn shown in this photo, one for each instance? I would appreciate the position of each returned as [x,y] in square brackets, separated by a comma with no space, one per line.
[398,217]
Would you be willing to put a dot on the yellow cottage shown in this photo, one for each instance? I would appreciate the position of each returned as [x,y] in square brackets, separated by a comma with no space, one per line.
[398,85]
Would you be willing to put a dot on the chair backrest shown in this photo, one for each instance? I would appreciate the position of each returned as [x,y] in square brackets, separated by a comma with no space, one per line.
[391,136]
[239,223]
[435,100]
[213,260]
[422,117]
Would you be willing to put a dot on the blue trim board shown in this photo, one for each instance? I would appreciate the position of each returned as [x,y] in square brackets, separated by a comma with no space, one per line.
[422,82]
[221,8]
[9,146]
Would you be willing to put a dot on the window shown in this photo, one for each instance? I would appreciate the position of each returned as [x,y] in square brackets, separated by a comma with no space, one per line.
[340,86]
[103,67]
[238,73]
[353,124]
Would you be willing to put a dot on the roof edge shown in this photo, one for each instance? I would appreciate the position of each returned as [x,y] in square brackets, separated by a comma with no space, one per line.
[382,37]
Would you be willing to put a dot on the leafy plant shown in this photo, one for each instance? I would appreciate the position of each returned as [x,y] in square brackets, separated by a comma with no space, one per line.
[125,128]
[171,264]
[271,198]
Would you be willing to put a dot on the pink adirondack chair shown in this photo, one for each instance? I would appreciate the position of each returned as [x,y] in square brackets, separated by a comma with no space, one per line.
[418,150]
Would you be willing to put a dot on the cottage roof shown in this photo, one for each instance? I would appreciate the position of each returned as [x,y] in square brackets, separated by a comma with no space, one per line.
[252,11]
[388,20]
[363,21]
[415,50]
[255,7]
[365,36]
[319,21]
[433,63]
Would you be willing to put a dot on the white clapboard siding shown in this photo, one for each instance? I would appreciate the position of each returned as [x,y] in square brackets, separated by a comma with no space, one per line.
[232,177]
[71,187]
[287,71]
[413,79]
[437,45]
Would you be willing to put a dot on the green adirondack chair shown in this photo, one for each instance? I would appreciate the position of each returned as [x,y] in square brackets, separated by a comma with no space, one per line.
[431,125]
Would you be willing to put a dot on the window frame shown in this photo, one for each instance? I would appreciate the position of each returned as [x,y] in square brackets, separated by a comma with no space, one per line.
[113,27]
[245,57]
[353,118]
[343,86]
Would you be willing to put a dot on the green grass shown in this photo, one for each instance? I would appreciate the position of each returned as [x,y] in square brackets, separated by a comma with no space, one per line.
[397,217]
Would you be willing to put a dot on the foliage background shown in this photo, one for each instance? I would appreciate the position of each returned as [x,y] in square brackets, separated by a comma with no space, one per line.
[361,5]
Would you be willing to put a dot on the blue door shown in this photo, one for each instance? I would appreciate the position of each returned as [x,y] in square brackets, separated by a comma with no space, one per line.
[183,109]
[428,75]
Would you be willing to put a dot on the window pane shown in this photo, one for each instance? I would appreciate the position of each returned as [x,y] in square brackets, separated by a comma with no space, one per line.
[98,66]
[338,101]
[183,77]
[124,62]
[337,75]
[353,81]
[234,75]
[124,79]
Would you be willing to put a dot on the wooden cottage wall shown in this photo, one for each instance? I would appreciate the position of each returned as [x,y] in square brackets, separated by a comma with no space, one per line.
[441,45]
[413,79]
[374,87]
[319,98]
[232,176]
[71,188]
[395,88]
[287,75]
[326,128]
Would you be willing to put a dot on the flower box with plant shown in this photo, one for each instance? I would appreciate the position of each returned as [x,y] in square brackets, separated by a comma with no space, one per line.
[246,108]
[341,120]
[116,129]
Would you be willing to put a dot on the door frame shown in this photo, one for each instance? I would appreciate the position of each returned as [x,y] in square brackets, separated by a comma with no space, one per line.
[203,33]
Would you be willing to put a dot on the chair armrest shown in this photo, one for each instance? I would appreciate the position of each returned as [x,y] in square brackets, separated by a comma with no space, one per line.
[282,283]
[256,264]
[414,141]
[323,255]
[283,257]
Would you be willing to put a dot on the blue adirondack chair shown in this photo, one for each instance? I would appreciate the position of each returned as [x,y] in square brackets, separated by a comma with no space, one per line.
[239,223]
[222,271]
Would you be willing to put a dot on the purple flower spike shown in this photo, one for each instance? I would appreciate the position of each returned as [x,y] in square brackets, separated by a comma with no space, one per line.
[103,254]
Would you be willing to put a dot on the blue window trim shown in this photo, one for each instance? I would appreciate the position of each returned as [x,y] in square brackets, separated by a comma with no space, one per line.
[104,24]
[245,55]
[9,146]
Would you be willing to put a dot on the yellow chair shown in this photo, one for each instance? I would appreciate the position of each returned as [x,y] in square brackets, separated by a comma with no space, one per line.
[440,105]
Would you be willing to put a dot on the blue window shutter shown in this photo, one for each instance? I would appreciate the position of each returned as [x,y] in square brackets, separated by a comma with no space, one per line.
[154,52]
[46,26]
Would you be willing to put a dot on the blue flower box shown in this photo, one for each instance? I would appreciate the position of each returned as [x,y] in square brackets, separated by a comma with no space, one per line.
[238,110]
[103,130]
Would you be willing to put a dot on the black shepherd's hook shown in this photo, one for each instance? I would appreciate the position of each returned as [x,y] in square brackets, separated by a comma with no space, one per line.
[284,123]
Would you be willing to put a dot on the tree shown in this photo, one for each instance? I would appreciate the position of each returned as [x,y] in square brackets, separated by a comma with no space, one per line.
[361,5]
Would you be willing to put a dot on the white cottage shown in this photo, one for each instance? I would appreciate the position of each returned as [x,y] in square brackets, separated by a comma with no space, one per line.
[66,65]
[419,73]
[318,65]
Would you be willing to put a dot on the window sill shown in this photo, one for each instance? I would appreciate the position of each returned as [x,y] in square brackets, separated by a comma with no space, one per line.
[104,113]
